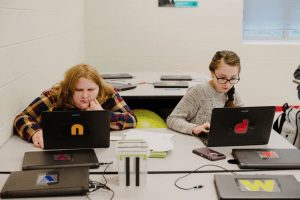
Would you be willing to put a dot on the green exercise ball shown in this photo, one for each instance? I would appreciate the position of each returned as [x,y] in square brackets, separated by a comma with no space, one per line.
[148,119]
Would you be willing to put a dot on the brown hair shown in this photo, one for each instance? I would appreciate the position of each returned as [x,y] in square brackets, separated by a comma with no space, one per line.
[63,92]
[231,59]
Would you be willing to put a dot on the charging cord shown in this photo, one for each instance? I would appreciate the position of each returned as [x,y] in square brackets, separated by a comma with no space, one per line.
[95,185]
[198,186]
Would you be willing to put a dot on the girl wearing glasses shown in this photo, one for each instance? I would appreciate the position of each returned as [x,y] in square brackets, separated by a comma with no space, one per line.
[193,113]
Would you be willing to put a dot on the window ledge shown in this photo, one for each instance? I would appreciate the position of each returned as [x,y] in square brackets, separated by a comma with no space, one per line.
[268,42]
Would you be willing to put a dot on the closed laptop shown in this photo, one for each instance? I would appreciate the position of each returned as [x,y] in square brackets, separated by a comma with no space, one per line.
[175,78]
[72,129]
[47,182]
[121,87]
[171,84]
[116,76]
[267,158]
[60,159]
[239,126]
[260,186]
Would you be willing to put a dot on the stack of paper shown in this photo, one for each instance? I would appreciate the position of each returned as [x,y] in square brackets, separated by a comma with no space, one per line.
[156,141]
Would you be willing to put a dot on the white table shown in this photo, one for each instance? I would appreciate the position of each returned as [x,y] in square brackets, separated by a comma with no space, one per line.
[148,90]
[180,159]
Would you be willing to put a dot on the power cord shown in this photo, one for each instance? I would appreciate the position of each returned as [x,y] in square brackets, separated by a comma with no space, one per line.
[198,186]
[97,185]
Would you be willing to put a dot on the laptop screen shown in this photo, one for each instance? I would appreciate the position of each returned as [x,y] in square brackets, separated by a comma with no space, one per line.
[76,129]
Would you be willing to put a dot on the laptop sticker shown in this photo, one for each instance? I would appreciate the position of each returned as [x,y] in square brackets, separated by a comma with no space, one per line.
[62,157]
[258,185]
[77,129]
[241,127]
[171,83]
[45,179]
[267,155]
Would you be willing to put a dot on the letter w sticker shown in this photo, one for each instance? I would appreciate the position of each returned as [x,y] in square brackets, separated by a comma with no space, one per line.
[266,185]
[77,129]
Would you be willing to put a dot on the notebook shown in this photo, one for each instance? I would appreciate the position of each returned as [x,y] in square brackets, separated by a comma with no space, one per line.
[116,76]
[72,129]
[176,78]
[121,87]
[171,84]
[59,159]
[267,158]
[239,126]
[263,187]
[46,182]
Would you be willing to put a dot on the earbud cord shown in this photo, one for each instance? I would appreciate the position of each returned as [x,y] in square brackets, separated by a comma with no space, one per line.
[97,185]
[198,186]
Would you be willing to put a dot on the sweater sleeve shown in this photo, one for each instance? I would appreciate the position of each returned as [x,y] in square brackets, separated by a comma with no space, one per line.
[186,109]
[28,122]
[120,113]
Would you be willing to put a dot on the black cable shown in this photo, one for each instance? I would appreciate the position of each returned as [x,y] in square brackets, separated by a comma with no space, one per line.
[198,186]
[97,185]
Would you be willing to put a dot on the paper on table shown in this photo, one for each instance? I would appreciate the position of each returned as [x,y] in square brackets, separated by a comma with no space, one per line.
[156,141]
[115,138]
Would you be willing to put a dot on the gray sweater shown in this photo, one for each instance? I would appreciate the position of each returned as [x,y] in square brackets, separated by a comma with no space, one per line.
[195,108]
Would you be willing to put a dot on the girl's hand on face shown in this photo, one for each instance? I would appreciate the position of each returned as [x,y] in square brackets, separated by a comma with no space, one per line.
[202,128]
[94,105]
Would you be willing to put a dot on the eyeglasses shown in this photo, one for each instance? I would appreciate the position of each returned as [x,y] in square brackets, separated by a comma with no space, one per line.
[224,80]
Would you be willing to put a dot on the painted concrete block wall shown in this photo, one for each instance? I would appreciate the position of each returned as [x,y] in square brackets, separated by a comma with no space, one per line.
[137,35]
[39,40]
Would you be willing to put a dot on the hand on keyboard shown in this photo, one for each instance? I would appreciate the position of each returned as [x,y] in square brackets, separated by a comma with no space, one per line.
[202,128]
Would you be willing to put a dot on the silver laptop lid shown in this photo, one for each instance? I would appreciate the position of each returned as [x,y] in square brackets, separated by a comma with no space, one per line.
[267,158]
[116,76]
[248,187]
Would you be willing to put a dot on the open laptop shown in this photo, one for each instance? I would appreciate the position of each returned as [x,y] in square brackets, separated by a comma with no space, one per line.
[70,129]
[116,76]
[239,126]
[261,186]
[175,78]
[267,158]
[60,159]
[121,87]
[47,182]
[171,84]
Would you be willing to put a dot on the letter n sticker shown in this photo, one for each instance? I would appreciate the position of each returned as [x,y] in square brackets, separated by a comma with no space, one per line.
[75,128]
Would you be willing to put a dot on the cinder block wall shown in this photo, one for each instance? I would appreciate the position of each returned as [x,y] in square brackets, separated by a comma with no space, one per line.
[137,35]
[39,40]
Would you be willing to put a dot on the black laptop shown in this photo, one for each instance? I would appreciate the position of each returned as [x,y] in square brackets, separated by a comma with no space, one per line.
[47,182]
[116,76]
[121,87]
[267,158]
[171,84]
[239,126]
[175,78]
[60,159]
[259,187]
[72,129]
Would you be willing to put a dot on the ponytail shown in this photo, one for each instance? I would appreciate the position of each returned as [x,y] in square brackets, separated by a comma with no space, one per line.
[229,102]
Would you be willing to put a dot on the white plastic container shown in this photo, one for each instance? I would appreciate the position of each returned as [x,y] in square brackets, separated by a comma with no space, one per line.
[132,162]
